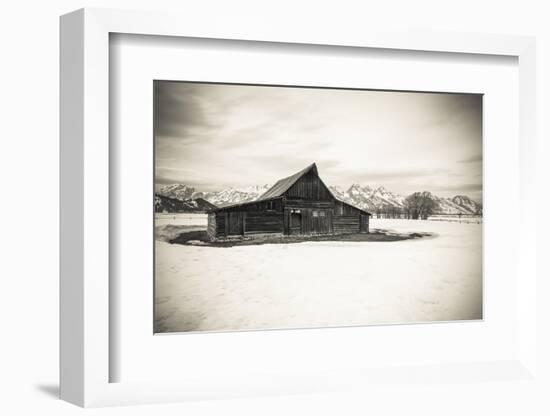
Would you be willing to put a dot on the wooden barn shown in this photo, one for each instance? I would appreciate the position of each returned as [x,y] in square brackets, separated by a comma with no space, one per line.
[299,204]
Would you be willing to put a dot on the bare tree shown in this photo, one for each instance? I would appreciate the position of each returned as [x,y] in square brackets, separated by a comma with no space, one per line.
[420,205]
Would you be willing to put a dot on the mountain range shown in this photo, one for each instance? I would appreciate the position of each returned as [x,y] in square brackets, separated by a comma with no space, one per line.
[373,199]
[364,197]
[168,204]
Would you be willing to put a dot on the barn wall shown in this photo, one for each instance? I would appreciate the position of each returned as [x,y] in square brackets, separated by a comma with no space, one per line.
[220,224]
[211,227]
[317,221]
[301,203]
[235,223]
[274,205]
[263,217]
[309,187]
[343,209]
[346,224]
[263,223]
[309,221]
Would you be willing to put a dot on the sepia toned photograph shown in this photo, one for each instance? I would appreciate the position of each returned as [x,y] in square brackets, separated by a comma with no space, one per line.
[286,207]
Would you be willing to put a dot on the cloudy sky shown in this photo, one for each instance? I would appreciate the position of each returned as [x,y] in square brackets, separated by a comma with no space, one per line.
[213,136]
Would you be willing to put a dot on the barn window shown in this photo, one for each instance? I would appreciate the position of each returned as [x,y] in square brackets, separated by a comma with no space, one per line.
[321,213]
[270,205]
[315,213]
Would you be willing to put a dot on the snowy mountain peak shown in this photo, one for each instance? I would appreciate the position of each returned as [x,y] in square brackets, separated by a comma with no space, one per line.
[177,191]
[357,189]
[361,196]
[467,203]
[256,189]
[462,199]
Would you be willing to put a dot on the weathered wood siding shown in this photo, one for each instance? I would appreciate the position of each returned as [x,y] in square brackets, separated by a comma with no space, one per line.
[235,225]
[211,227]
[344,209]
[348,219]
[263,217]
[309,187]
[346,224]
[301,203]
[274,205]
[220,224]
[308,221]
[264,223]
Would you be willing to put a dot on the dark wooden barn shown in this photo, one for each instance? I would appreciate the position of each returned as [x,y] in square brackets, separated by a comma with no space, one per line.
[299,204]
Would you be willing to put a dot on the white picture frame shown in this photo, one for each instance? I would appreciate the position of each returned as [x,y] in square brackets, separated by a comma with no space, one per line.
[85,219]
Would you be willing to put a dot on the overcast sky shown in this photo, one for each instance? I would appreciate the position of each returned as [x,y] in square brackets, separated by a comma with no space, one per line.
[213,136]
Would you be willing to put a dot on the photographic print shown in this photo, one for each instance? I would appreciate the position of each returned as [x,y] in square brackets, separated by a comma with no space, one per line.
[281,207]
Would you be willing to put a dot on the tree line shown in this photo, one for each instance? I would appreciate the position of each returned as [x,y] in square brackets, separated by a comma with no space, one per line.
[419,205]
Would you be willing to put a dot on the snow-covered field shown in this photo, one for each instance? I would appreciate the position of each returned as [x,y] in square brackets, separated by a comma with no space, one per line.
[316,284]
[169,226]
[180,219]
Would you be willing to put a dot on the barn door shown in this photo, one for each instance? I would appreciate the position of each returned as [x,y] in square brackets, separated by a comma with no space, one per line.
[320,221]
[236,224]
[295,222]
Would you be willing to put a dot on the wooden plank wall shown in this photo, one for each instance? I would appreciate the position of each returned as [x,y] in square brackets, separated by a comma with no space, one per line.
[264,222]
[318,224]
[236,223]
[343,209]
[274,205]
[346,224]
[211,227]
[310,223]
[301,203]
[309,187]
[220,224]
[364,228]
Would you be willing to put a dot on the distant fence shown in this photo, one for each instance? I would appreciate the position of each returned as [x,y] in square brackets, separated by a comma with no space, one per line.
[456,216]
[405,217]
[466,218]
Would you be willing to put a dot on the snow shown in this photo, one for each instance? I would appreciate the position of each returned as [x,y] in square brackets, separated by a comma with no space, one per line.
[317,284]
[181,219]
[169,226]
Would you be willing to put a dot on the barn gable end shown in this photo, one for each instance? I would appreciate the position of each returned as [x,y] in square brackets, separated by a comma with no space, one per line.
[298,204]
[309,187]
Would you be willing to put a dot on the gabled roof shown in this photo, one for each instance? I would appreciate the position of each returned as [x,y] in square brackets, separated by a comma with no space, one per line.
[283,185]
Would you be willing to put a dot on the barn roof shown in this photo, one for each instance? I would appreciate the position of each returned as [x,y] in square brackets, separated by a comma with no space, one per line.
[283,185]
[242,204]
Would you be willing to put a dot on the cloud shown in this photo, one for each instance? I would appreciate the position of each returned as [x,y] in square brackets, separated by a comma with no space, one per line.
[214,136]
[467,187]
[383,175]
[179,108]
